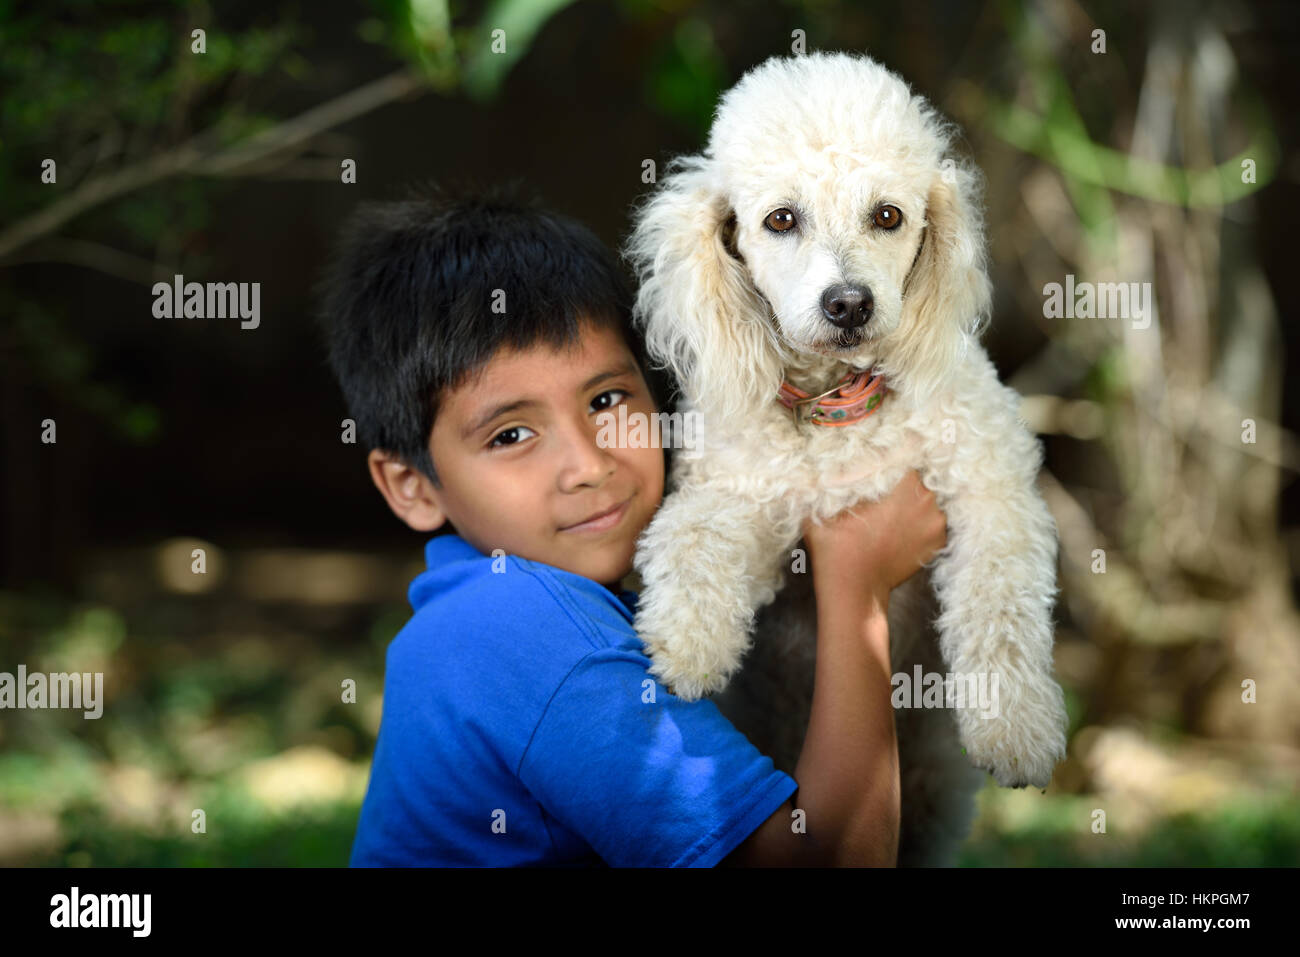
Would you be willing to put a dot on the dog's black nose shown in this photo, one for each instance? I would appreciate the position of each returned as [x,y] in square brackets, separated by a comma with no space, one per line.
[848,306]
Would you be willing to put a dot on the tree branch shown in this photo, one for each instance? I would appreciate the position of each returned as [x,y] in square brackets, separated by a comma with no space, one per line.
[105,259]
[194,156]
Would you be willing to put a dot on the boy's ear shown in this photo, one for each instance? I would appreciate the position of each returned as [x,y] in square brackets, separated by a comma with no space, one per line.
[409,493]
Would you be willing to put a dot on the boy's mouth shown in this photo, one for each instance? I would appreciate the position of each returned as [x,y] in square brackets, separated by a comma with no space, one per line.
[601,521]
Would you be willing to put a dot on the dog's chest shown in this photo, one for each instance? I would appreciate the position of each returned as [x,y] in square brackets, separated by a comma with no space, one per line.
[776,456]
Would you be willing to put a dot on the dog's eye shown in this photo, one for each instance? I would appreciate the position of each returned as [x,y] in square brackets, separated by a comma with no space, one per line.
[780,220]
[888,217]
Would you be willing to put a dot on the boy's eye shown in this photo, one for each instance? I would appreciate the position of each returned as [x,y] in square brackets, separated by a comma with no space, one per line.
[511,435]
[603,408]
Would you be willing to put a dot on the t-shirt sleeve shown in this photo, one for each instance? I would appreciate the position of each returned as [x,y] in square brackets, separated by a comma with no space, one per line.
[647,779]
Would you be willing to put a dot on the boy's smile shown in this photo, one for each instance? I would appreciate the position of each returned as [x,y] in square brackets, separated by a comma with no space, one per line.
[516,452]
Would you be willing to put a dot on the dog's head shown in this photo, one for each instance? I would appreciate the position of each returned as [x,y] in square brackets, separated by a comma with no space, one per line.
[827,218]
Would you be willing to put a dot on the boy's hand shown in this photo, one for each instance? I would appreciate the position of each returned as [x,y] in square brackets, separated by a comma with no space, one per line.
[870,549]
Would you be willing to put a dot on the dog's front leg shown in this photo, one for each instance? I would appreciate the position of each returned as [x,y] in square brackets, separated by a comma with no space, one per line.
[996,583]
[708,560]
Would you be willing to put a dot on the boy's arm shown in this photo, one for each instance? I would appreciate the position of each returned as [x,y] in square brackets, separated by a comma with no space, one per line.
[848,768]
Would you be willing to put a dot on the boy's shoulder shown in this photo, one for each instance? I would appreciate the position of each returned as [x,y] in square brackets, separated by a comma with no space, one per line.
[522,692]
[476,613]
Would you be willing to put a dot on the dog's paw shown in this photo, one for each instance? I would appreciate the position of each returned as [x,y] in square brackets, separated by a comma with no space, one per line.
[688,687]
[691,669]
[688,676]
[1021,742]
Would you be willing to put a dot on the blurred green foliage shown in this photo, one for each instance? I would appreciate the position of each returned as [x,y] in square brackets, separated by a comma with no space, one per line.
[1057,134]
[241,834]
[193,712]
[1249,833]
[97,84]
[187,716]
[101,87]
[688,75]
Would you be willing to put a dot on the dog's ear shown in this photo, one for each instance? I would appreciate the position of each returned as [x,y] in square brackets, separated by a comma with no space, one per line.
[947,294]
[700,314]
[729,237]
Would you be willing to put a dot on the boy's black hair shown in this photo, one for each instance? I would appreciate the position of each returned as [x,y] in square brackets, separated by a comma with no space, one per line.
[406,304]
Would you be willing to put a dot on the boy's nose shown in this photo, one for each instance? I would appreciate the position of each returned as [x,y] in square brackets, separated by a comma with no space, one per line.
[586,463]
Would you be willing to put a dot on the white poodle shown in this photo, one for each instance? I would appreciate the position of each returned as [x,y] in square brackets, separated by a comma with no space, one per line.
[828,238]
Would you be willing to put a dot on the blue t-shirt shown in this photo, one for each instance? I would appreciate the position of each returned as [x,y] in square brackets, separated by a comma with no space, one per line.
[521,727]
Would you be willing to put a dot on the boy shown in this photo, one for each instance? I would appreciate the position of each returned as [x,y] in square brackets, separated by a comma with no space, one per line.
[477,342]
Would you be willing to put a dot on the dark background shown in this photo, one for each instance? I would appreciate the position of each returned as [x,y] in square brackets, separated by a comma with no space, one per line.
[246,447]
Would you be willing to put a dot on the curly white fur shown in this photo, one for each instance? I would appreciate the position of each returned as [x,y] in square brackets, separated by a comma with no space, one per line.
[732,308]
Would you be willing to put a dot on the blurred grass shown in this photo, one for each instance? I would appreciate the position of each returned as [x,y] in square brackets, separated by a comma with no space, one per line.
[249,728]
[240,833]
[1055,831]
[238,716]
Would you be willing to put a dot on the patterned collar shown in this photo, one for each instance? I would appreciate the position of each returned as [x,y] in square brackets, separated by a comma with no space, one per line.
[852,399]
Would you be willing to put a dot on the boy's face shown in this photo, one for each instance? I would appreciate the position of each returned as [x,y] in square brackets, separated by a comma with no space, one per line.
[520,465]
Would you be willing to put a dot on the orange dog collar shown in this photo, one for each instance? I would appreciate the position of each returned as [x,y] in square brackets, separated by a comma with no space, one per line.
[854,398]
